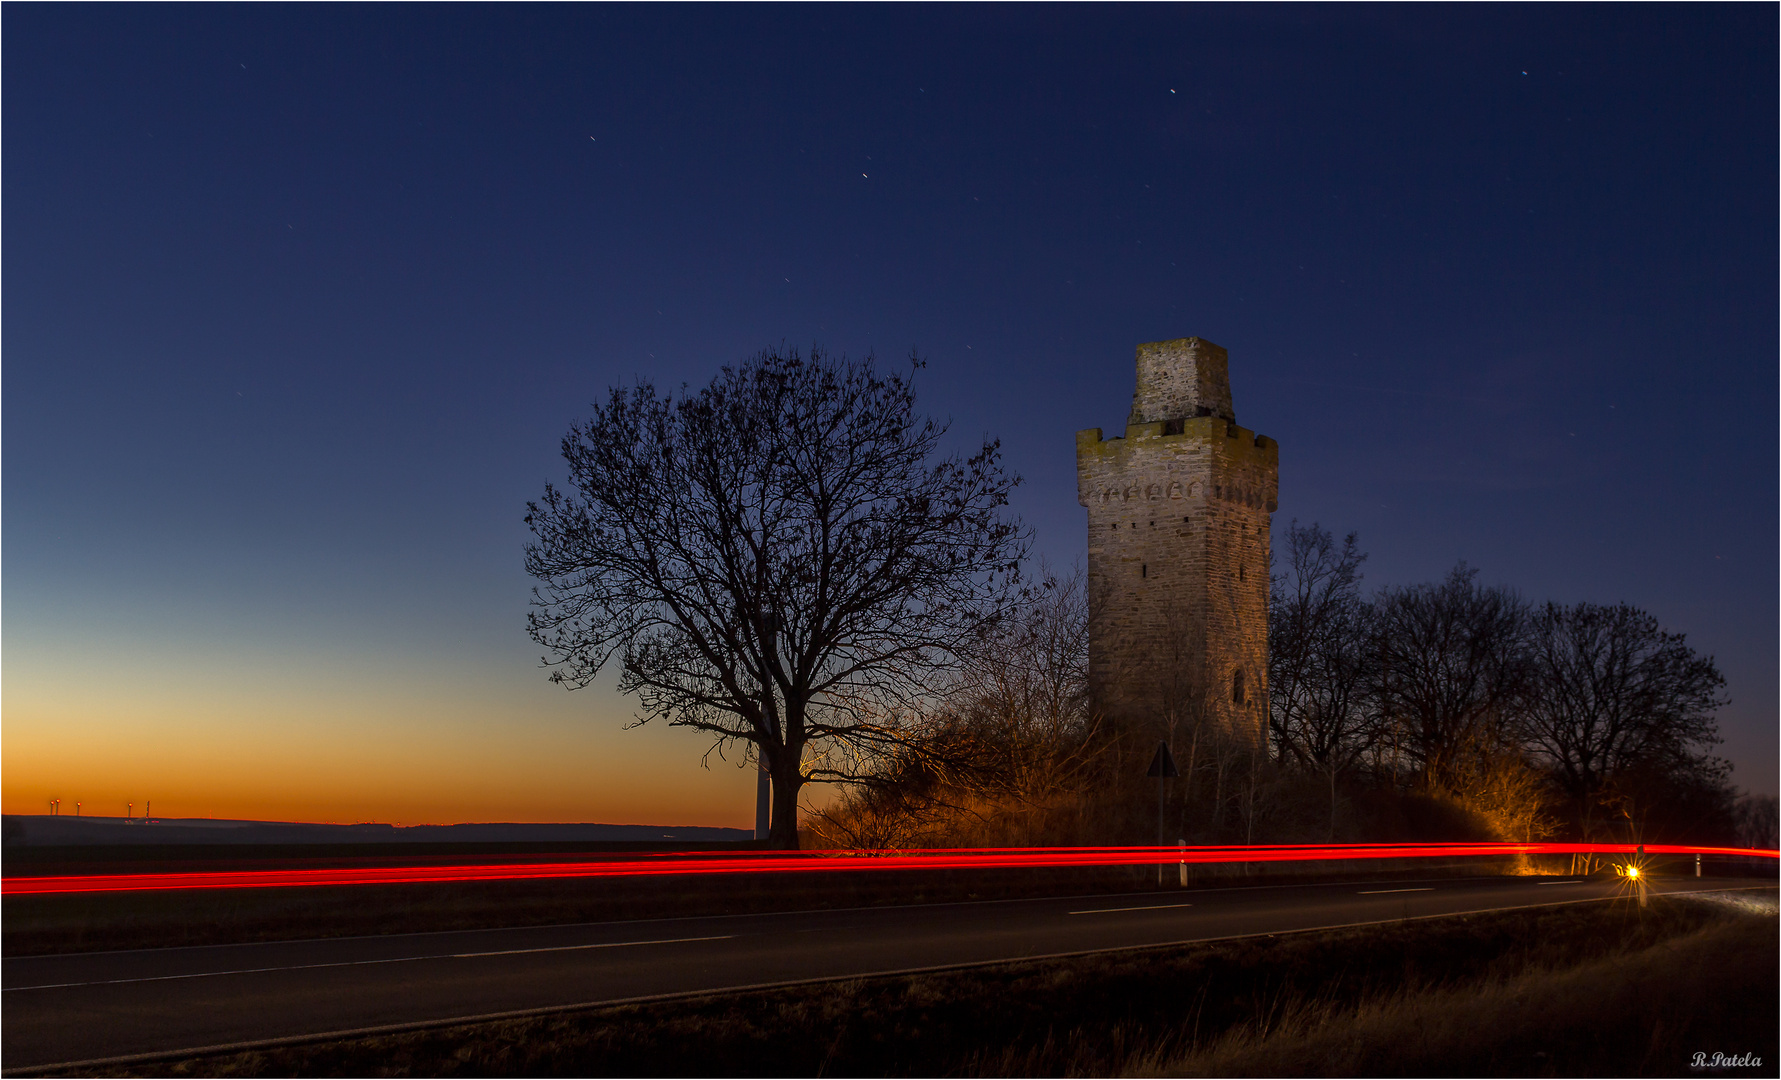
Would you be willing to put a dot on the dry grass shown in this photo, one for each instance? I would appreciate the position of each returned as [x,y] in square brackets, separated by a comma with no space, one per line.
[1634,1013]
[1596,988]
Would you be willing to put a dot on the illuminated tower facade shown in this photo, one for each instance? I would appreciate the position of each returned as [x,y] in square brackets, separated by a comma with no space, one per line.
[1178,515]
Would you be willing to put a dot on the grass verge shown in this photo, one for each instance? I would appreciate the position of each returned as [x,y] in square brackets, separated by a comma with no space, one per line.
[1638,1012]
[1576,988]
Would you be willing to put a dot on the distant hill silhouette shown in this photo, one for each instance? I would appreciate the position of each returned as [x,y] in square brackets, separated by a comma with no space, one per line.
[43,830]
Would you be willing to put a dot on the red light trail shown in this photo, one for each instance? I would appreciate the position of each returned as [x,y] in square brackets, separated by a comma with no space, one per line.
[823,861]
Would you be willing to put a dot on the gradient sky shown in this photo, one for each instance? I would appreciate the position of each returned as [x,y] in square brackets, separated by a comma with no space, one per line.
[299,301]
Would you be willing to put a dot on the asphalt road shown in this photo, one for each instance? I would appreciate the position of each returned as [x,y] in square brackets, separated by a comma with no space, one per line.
[90,1006]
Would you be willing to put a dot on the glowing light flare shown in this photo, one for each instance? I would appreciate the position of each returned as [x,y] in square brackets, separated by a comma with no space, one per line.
[817,862]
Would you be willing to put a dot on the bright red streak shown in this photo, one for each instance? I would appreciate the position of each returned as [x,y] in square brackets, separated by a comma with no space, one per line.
[781,862]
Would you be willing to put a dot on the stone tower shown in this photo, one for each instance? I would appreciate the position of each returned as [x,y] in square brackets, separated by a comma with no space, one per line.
[1178,514]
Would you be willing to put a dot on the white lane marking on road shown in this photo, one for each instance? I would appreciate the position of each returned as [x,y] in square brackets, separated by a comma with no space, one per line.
[573,948]
[1578,881]
[1110,910]
[367,963]
[1378,892]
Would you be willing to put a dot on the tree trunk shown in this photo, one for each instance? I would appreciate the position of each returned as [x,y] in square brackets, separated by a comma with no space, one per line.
[1249,801]
[1218,792]
[1187,779]
[787,779]
[1331,762]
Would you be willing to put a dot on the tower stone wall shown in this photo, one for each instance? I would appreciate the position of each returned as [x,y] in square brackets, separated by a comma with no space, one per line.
[1178,517]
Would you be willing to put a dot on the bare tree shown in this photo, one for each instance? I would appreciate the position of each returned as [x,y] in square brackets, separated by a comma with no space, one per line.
[1756,819]
[1007,745]
[1319,655]
[1451,664]
[782,558]
[1023,689]
[1610,691]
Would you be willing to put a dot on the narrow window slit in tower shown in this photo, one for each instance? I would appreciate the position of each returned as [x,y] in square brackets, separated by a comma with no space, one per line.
[1144,570]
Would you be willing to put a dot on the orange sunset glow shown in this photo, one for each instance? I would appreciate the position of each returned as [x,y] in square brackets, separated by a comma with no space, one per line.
[211,745]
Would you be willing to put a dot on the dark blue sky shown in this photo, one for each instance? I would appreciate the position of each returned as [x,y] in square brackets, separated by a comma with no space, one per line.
[299,301]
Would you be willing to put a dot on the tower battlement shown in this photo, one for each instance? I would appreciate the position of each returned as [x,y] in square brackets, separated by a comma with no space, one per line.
[1178,532]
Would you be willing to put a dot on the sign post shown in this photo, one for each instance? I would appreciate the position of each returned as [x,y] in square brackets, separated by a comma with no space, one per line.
[1162,766]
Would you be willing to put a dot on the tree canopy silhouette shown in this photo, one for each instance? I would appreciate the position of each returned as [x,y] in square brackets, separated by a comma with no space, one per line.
[1614,695]
[784,557]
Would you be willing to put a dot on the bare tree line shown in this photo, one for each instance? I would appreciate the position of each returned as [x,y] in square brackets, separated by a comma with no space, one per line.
[1442,710]
[1589,719]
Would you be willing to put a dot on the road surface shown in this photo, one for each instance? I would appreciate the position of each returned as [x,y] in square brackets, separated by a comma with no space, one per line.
[95,1006]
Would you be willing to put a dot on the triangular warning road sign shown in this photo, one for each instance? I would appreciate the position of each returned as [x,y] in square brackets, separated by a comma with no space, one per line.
[1163,764]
